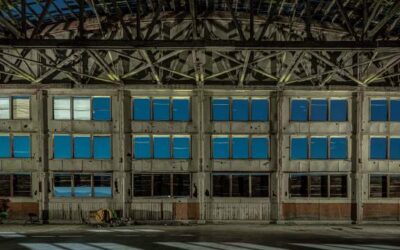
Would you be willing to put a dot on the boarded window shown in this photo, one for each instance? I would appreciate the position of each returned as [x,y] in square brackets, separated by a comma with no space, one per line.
[395,110]
[395,148]
[181,185]
[338,148]
[240,185]
[141,109]
[299,110]
[338,110]
[21,107]
[298,185]
[378,186]
[240,147]
[82,147]
[5,108]
[319,110]
[299,148]
[378,148]
[379,110]
[142,185]
[181,109]
[220,146]
[338,185]
[102,185]
[221,185]
[259,109]
[102,147]
[81,108]
[101,108]
[141,147]
[62,146]
[5,146]
[161,147]
[162,185]
[181,148]
[161,109]
[319,148]
[240,109]
[62,108]
[220,109]
[22,146]
[260,185]
[259,148]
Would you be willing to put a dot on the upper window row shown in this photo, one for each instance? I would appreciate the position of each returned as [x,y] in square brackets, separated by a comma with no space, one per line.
[385,110]
[318,148]
[97,108]
[16,107]
[240,109]
[240,147]
[318,109]
[161,109]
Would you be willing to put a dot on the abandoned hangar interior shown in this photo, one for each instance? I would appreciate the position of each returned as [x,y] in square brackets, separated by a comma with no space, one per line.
[201,110]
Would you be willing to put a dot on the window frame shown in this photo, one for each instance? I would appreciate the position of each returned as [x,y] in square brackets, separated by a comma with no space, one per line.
[11,145]
[387,187]
[11,110]
[328,147]
[11,179]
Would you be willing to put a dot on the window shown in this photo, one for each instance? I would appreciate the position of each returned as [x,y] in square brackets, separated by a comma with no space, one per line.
[338,110]
[15,146]
[162,147]
[259,147]
[220,109]
[141,147]
[141,109]
[161,109]
[299,148]
[181,109]
[15,185]
[314,185]
[337,107]
[62,146]
[379,110]
[240,147]
[161,185]
[299,110]
[84,146]
[319,148]
[97,108]
[384,186]
[5,108]
[240,185]
[240,109]
[319,110]
[394,148]
[21,107]
[395,110]
[101,108]
[259,109]
[62,108]
[378,148]
[82,185]
[220,145]
[181,146]
[102,147]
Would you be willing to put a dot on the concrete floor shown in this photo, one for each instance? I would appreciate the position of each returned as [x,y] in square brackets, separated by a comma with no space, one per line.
[204,237]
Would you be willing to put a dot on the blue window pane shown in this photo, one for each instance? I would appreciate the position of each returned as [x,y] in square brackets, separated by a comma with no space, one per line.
[319,110]
[102,147]
[240,147]
[102,185]
[83,191]
[5,146]
[220,109]
[141,147]
[161,109]
[259,148]
[240,109]
[259,110]
[338,148]
[395,110]
[379,110]
[102,192]
[220,147]
[181,109]
[101,108]
[82,147]
[395,148]
[319,148]
[378,148]
[62,147]
[338,112]
[162,147]
[62,191]
[299,149]
[181,147]
[299,110]
[22,146]
[141,109]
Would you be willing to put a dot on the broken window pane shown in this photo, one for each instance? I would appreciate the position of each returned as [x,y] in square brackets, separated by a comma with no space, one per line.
[62,108]
[221,185]
[338,186]
[22,185]
[142,185]
[5,185]
[240,185]
[162,185]
[259,185]
[5,108]
[181,184]
[21,107]
[81,108]
[298,185]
